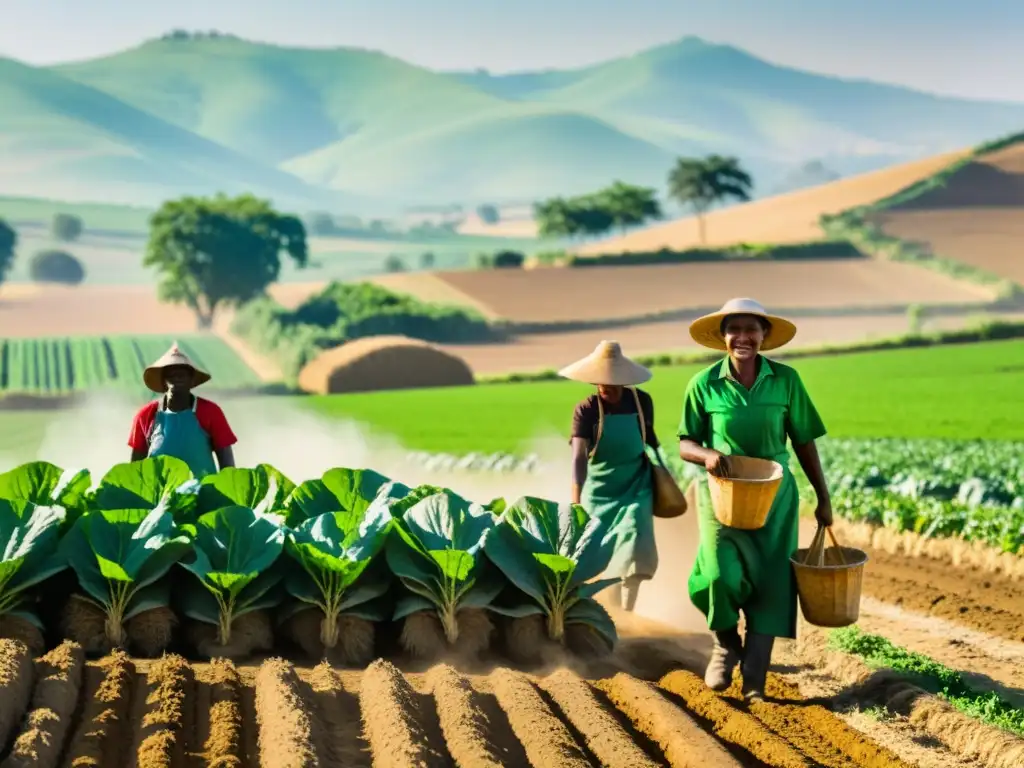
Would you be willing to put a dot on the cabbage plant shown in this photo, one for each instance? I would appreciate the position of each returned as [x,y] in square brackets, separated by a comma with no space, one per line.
[235,549]
[158,482]
[263,489]
[29,554]
[120,557]
[47,485]
[334,551]
[339,489]
[438,556]
[551,552]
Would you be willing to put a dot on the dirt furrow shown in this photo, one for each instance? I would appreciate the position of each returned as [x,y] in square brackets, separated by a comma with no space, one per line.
[467,730]
[606,738]
[99,741]
[337,732]
[250,725]
[221,733]
[162,736]
[732,725]
[285,723]
[16,677]
[393,722]
[544,737]
[816,731]
[680,738]
[46,727]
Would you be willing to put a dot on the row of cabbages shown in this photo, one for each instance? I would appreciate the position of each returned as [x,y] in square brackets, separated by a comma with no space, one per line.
[245,554]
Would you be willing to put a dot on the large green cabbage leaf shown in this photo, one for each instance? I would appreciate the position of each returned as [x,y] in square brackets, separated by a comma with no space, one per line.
[46,485]
[29,554]
[438,556]
[235,550]
[339,489]
[163,482]
[120,557]
[263,489]
[335,551]
[551,552]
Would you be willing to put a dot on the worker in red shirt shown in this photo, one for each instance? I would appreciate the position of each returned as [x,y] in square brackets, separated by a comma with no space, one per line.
[178,423]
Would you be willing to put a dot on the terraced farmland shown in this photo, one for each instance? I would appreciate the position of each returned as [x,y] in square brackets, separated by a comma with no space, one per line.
[61,366]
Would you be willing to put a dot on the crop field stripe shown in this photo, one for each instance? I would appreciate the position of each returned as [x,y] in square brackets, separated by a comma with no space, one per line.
[16,673]
[948,684]
[222,725]
[731,724]
[285,724]
[338,731]
[467,732]
[59,681]
[103,730]
[393,722]
[544,737]
[170,681]
[681,739]
[610,743]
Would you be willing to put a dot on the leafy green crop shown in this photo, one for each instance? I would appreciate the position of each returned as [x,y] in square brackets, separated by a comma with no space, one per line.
[45,484]
[438,557]
[263,489]
[161,482]
[29,536]
[551,552]
[986,706]
[234,549]
[339,489]
[120,557]
[335,551]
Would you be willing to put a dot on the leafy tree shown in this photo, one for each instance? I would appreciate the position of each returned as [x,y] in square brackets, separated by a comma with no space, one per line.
[56,267]
[66,227]
[555,218]
[702,182]
[628,205]
[488,214]
[8,242]
[394,263]
[427,260]
[508,260]
[219,251]
[321,224]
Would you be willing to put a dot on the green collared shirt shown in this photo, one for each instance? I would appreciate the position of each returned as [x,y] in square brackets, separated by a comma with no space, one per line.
[722,414]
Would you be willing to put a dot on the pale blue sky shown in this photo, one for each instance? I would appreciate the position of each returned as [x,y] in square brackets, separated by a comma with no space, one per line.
[964,47]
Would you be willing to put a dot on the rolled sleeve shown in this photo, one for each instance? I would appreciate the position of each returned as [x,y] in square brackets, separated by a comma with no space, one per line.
[803,423]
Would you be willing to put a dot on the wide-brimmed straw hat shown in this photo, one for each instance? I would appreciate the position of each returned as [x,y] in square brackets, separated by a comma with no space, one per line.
[607,365]
[707,330]
[153,376]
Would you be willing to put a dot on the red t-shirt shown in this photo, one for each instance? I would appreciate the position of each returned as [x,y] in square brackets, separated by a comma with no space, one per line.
[211,418]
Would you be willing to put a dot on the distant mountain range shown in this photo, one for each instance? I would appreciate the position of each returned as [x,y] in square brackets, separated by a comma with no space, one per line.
[354,129]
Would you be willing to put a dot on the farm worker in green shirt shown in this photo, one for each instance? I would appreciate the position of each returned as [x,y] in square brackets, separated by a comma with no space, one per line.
[178,423]
[611,470]
[747,405]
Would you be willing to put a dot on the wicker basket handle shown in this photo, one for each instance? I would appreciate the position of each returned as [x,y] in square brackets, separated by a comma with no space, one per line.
[839,550]
[816,551]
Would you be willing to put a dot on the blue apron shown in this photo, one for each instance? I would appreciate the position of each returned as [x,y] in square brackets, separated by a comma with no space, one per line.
[181,436]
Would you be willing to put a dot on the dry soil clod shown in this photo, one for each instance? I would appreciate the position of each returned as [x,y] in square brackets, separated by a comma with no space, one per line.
[151,632]
[285,724]
[170,680]
[355,638]
[99,739]
[16,673]
[544,737]
[391,720]
[83,622]
[682,741]
[15,628]
[465,726]
[250,632]
[423,635]
[53,705]
[730,724]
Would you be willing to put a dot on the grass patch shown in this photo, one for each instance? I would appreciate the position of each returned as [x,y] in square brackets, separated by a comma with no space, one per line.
[878,652]
[817,249]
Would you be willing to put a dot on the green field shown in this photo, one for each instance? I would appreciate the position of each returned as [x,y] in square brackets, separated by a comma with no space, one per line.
[60,366]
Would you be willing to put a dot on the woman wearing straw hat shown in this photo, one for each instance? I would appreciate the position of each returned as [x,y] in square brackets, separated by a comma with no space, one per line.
[178,423]
[611,474]
[747,405]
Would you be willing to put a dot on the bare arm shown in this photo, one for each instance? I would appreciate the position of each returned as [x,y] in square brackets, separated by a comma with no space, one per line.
[713,461]
[225,457]
[580,460]
[810,463]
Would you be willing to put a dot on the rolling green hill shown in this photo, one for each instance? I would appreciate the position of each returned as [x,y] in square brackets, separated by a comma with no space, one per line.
[178,113]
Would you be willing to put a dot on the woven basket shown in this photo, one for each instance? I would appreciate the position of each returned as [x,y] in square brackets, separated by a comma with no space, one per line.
[828,581]
[745,497]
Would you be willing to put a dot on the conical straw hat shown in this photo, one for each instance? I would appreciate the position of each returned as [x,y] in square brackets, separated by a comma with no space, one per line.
[607,365]
[707,330]
[153,375]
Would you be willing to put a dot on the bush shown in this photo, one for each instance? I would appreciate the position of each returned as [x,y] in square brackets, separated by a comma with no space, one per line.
[56,267]
[488,214]
[66,227]
[817,249]
[427,260]
[508,260]
[321,224]
[394,263]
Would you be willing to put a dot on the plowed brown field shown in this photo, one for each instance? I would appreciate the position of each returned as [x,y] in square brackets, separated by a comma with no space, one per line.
[976,218]
[789,218]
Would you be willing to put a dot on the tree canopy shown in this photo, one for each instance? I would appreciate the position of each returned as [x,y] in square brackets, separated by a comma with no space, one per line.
[8,242]
[702,182]
[619,205]
[66,227]
[221,251]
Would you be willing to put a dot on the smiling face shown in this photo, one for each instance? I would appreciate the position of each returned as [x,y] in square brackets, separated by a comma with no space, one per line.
[744,335]
[178,378]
